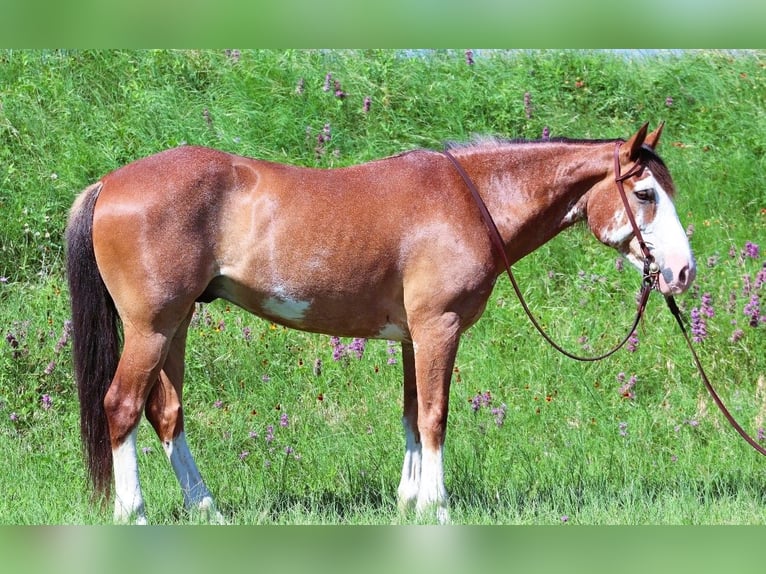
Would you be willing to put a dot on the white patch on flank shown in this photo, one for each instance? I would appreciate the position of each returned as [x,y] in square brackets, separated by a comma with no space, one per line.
[409,485]
[574,214]
[128,501]
[196,494]
[286,308]
[391,332]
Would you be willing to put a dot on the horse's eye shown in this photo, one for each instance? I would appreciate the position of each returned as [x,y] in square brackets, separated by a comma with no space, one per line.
[644,194]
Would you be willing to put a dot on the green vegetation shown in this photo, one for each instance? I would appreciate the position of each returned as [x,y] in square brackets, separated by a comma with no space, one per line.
[283,432]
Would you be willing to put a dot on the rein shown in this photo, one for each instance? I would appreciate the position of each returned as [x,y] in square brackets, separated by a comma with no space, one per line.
[649,282]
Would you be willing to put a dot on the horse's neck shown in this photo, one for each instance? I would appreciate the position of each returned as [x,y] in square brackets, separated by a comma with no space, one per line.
[534,191]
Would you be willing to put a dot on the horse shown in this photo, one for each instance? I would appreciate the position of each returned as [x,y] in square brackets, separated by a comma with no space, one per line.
[393,248]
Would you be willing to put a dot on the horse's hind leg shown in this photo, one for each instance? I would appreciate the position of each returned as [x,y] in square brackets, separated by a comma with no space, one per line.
[165,412]
[137,371]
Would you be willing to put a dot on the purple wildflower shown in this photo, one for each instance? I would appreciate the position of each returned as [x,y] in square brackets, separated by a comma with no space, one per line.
[528,105]
[626,390]
[252,434]
[289,450]
[284,420]
[481,400]
[469,57]
[753,311]
[707,306]
[244,454]
[751,250]
[12,340]
[357,347]
[698,327]
[391,350]
[546,133]
[632,344]
[247,333]
[218,404]
[499,414]
[736,335]
[265,378]
[623,428]
[338,349]
[619,264]
[50,368]
[366,105]
[269,434]
[65,335]
[760,278]
[668,101]
[712,261]
[146,449]
[564,519]
[761,434]
[3,280]
[339,93]
[327,80]
[45,401]
[14,417]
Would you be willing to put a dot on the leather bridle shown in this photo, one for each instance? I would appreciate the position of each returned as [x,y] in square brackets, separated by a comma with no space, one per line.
[650,281]
[651,270]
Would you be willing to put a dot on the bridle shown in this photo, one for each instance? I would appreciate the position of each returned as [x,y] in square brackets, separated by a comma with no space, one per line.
[649,282]
[651,269]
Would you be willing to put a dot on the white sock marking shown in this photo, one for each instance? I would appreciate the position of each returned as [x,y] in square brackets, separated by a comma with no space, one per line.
[128,501]
[410,482]
[196,494]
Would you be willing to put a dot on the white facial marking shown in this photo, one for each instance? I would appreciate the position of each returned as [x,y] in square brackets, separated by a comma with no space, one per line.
[664,236]
[128,501]
[286,308]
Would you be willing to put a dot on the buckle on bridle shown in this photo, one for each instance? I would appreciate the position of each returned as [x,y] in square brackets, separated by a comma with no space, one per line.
[651,274]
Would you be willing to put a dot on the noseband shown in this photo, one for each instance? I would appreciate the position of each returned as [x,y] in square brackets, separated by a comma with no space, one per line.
[650,282]
[651,269]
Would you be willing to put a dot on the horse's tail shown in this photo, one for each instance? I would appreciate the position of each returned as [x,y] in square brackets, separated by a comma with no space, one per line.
[95,339]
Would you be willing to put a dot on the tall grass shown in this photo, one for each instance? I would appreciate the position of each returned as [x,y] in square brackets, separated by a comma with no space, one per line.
[284,432]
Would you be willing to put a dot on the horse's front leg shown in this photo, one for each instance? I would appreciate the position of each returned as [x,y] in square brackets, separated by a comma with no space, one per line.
[435,343]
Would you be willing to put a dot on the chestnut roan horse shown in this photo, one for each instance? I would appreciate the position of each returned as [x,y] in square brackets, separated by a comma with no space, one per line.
[391,249]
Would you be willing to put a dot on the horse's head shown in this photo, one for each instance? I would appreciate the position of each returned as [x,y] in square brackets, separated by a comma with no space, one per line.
[649,192]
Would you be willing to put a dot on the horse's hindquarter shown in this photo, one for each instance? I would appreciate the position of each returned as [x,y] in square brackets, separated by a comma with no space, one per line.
[334,251]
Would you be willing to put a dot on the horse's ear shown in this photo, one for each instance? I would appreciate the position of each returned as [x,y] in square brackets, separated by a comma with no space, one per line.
[654,137]
[633,145]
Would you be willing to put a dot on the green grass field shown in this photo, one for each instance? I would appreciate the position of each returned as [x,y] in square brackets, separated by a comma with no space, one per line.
[285,434]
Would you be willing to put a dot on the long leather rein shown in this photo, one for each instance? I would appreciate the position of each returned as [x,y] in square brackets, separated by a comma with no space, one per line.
[649,282]
[650,273]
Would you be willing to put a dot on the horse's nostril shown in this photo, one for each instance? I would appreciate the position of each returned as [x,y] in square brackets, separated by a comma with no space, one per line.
[683,275]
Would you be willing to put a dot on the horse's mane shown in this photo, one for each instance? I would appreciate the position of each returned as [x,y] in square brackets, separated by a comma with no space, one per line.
[647,156]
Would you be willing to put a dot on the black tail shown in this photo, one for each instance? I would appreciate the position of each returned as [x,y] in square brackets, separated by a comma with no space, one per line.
[95,339]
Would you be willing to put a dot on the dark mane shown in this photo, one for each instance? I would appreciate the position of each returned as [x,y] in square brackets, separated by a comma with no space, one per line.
[648,156]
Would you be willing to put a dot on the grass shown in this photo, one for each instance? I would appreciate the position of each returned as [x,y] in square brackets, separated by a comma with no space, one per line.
[559,442]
